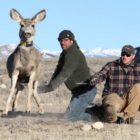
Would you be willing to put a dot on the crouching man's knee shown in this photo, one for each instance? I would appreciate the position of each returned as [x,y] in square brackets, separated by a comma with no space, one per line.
[110,114]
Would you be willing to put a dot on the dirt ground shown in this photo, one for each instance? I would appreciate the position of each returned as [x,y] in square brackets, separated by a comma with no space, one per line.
[51,125]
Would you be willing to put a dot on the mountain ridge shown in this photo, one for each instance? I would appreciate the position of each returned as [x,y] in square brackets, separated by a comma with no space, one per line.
[6,50]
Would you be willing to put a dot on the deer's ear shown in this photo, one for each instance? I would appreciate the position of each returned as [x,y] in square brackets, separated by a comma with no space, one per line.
[15,15]
[39,16]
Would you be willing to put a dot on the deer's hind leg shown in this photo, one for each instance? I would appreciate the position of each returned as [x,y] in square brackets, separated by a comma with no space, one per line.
[37,98]
[30,93]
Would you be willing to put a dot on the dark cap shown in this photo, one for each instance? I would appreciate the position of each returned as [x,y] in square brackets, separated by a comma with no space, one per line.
[128,49]
[66,34]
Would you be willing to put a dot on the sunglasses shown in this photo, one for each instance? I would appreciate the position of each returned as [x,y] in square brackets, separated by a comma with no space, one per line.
[125,54]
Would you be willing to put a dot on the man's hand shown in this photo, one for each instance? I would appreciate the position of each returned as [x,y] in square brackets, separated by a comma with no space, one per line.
[92,81]
[44,88]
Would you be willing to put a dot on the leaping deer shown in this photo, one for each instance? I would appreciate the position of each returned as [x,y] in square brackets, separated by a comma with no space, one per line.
[23,64]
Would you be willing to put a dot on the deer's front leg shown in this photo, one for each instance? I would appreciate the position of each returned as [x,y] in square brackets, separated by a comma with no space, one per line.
[12,91]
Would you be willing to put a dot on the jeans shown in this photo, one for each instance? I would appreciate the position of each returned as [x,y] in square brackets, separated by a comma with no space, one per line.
[79,104]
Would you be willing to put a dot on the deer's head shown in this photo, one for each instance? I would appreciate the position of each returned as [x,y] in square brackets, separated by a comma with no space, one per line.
[27,25]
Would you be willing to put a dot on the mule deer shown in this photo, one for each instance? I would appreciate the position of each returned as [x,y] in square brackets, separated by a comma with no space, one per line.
[23,64]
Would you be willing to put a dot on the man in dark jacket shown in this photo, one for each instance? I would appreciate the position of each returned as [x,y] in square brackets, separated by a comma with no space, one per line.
[121,95]
[72,69]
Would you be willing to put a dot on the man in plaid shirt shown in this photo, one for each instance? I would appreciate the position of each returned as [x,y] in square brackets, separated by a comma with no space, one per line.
[121,94]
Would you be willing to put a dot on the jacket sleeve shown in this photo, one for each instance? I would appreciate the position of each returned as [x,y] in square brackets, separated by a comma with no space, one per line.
[70,64]
[101,75]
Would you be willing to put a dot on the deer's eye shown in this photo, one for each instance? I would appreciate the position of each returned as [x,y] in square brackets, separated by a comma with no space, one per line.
[33,26]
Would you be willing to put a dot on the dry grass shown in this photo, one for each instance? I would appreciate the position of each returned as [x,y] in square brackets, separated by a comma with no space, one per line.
[51,126]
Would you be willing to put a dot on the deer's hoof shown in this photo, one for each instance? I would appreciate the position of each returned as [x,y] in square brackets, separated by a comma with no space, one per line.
[14,109]
[27,112]
[41,109]
[4,115]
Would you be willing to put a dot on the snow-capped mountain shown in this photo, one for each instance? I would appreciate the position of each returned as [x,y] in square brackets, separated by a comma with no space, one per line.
[5,50]
[100,52]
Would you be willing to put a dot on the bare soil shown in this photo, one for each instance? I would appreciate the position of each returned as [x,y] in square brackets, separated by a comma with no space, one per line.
[51,125]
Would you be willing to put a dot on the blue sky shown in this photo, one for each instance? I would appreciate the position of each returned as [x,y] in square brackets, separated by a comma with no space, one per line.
[95,23]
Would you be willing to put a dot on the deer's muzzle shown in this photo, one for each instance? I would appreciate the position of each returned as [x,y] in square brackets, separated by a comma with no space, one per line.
[27,35]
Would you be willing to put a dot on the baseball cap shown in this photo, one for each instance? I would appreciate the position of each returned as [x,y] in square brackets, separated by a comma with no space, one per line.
[129,49]
[66,34]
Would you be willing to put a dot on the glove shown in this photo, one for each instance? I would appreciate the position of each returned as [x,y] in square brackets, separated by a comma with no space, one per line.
[44,88]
